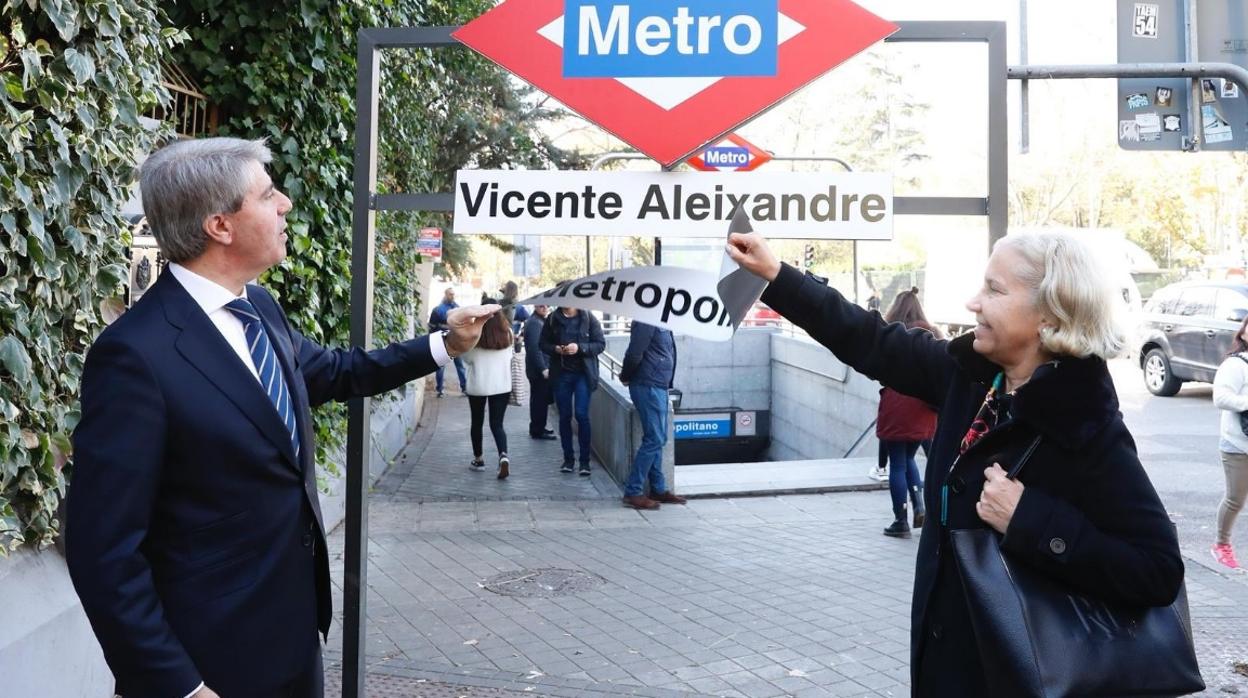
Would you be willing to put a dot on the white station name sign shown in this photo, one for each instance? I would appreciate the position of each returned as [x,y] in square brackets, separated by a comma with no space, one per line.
[834,206]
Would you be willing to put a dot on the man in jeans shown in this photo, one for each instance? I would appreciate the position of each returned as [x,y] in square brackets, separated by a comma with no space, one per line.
[573,339]
[649,369]
[437,323]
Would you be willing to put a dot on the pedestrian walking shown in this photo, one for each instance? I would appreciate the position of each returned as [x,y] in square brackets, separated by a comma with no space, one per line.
[437,323]
[1029,386]
[537,370]
[1230,394]
[649,371]
[903,424]
[194,535]
[489,387]
[516,314]
[573,339]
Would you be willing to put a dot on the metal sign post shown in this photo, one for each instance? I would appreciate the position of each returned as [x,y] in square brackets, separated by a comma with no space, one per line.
[367,202]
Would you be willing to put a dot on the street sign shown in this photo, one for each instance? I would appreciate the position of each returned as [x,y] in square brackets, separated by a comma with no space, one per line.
[668,78]
[733,154]
[429,243]
[817,205]
[702,426]
[1222,37]
[1152,112]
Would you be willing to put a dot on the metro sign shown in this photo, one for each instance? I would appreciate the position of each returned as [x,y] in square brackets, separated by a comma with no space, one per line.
[734,153]
[668,76]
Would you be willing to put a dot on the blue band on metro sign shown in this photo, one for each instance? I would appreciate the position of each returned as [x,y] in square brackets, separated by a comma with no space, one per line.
[660,38]
[706,426]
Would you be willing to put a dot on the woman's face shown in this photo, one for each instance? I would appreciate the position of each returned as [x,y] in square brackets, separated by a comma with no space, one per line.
[1008,322]
[1243,332]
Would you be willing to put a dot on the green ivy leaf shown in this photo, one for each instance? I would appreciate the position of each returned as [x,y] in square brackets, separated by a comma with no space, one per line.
[64,17]
[80,65]
[15,360]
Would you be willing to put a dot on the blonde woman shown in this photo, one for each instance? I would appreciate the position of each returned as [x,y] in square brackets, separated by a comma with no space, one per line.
[1083,512]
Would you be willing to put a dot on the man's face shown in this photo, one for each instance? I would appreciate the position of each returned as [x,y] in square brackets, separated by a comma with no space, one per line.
[449,296]
[541,310]
[259,225]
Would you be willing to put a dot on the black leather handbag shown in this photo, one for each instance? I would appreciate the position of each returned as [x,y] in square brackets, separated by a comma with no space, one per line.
[1036,638]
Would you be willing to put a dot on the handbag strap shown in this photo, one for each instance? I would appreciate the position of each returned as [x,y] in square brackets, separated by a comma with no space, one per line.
[1022,460]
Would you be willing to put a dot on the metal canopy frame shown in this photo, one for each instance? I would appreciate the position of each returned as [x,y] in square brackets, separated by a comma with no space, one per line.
[367,202]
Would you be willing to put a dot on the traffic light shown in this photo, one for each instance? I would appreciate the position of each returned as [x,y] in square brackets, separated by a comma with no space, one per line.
[808,260]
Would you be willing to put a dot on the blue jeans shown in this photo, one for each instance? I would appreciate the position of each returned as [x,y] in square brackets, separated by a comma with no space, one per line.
[903,472]
[571,391]
[459,368]
[651,404]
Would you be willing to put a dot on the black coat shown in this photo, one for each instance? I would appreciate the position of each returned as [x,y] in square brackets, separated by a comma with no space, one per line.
[589,345]
[1089,515]
[535,360]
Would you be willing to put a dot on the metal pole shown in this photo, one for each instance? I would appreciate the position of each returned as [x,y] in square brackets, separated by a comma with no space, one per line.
[998,137]
[359,436]
[1024,93]
[1195,124]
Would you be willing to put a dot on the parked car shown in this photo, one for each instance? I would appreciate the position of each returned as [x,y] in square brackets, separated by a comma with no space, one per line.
[1186,330]
[761,315]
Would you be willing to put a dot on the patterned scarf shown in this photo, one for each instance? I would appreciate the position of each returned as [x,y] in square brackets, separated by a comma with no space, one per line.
[989,415]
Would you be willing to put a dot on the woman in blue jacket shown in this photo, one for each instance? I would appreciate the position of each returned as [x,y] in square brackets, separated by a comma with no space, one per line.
[1083,511]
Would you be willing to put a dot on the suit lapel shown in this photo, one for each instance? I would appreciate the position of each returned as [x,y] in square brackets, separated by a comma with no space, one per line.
[201,344]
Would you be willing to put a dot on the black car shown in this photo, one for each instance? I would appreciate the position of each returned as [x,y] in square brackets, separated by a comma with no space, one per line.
[1186,330]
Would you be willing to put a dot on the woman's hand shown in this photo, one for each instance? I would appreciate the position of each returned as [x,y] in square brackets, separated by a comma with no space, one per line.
[999,499]
[750,251]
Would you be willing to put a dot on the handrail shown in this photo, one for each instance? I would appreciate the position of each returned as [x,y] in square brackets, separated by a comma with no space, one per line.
[612,364]
[858,441]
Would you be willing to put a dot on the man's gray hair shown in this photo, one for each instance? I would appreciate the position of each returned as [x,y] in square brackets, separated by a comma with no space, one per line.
[187,181]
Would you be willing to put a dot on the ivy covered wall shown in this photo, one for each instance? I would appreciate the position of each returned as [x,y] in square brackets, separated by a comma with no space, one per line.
[75,77]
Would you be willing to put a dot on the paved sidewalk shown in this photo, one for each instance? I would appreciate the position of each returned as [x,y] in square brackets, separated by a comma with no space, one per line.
[767,596]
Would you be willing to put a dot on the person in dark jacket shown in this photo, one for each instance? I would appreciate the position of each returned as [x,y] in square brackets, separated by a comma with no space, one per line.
[1083,511]
[904,423]
[649,370]
[573,340]
[537,369]
[437,323]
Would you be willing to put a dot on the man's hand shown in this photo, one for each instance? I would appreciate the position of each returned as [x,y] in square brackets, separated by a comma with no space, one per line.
[205,692]
[570,349]
[999,499]
[465,325]
[750,251]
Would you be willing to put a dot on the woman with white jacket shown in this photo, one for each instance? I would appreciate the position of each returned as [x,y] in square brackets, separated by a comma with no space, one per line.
[1230,394]
[489,384]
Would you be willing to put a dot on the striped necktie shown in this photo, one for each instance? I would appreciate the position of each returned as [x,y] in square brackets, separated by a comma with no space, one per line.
[266,365]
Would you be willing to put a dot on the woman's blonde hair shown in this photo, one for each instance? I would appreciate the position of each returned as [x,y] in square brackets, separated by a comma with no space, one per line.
[1072,288]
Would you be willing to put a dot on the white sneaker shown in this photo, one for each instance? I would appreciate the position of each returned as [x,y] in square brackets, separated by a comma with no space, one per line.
[878,474]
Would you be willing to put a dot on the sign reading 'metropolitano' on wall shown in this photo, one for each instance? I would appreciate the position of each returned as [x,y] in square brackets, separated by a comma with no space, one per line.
[844,206]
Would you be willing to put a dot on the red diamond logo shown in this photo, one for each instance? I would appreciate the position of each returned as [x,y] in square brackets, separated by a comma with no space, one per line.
[668,118]
[756,157]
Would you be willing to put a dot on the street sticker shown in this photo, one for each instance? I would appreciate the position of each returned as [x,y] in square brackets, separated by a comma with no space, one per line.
[1137,100]
[1208,93]
[1164,96]
[1230,89]
[1171,123]
[1129,131]
[1144,23]
[1216,128]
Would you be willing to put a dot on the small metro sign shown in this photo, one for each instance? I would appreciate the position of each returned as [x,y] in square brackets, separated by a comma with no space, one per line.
[669,77]
[733,154]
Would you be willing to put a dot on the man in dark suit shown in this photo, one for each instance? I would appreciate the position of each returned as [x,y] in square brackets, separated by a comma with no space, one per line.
[537,369]
[194,535]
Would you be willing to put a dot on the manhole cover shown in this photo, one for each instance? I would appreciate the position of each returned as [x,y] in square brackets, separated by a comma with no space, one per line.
[542,583]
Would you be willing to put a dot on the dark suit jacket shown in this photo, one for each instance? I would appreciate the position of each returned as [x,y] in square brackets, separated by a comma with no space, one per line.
[194,536]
